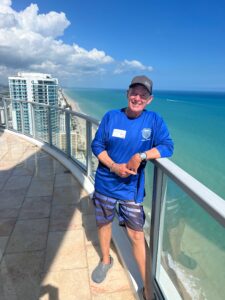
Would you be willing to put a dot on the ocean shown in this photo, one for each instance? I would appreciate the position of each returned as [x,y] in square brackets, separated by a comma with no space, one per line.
[196,121]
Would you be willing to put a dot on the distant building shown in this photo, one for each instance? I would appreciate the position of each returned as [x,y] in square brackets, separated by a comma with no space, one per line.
[75,137]
[41,89]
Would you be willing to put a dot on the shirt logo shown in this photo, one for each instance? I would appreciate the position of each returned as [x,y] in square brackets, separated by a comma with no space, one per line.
[119,133]
[146,134]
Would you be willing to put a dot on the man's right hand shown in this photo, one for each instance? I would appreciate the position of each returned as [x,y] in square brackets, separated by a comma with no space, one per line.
[122,170]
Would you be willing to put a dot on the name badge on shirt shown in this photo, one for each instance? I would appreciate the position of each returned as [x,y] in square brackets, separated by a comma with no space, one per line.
[119,133]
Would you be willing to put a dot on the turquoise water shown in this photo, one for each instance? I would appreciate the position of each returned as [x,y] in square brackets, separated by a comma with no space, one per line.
[196,121]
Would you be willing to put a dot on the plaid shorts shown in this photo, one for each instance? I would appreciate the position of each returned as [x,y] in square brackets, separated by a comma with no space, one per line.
[130,214]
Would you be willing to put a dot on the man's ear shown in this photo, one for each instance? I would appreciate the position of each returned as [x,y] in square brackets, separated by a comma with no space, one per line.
[150,99]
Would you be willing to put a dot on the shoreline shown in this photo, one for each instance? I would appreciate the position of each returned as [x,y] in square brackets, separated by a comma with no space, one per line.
[78,128]
[72,102]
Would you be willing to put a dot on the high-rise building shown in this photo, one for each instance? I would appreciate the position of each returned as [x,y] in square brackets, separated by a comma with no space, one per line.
[38,88]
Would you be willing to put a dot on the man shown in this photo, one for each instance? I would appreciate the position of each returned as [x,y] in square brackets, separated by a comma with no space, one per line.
[125,140]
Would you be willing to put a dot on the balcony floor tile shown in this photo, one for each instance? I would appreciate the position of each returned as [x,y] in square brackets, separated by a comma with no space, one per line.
[20,275]
[28,235]
[17,182]
[66,256]
[72,283]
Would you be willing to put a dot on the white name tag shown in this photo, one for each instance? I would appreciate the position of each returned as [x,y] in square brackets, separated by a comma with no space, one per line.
[119,133]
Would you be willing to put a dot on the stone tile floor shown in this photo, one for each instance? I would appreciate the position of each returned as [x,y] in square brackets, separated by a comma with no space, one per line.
[48,237]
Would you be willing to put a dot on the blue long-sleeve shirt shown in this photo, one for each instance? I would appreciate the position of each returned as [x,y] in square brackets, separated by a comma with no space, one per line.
[122,137]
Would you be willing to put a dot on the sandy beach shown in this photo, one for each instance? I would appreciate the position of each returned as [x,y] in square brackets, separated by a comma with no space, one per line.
[77,128]
[71,102]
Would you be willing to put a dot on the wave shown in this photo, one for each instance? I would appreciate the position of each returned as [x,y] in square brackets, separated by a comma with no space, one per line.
[171,100]
[177,101]
[186,102]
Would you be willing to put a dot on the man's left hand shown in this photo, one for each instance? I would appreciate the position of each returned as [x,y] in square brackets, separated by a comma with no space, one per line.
[134,163]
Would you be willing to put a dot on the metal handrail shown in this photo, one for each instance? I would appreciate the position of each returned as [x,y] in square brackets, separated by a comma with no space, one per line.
[209,200]
[72,112]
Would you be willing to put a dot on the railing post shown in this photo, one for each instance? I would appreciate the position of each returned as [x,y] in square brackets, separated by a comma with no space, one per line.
[5,113]
[49,127]
[33,120]
[2,116]
[68,139]
[157,218]
[88,143]
[21,117]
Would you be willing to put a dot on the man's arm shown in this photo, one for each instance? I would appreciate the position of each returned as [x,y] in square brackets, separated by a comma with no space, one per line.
[135,160]
[119,169]
[162,146]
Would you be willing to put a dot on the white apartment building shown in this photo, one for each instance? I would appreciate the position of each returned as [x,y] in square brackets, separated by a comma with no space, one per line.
[41,89]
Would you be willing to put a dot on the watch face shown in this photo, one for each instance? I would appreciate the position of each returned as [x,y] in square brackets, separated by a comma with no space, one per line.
[143,156]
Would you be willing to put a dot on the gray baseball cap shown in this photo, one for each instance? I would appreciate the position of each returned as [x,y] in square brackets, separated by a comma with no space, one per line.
[143,80]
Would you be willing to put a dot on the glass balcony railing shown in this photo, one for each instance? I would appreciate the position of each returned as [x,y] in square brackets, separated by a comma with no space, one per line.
[187,230]
[185,220]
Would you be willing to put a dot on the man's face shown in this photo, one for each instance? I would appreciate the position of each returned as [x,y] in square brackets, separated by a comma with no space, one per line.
[138,97]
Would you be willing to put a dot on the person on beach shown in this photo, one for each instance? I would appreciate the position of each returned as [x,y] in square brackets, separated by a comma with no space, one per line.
[125,140]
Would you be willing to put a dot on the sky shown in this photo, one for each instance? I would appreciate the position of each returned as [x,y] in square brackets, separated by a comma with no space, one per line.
[180,45]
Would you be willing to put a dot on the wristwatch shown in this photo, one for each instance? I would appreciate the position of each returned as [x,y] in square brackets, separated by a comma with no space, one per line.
[143,156]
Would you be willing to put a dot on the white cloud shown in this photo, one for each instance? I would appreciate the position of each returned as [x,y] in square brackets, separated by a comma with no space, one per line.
[7,20]
[5,3]
[52,24]
[127,66]
[5,6]
[29,41]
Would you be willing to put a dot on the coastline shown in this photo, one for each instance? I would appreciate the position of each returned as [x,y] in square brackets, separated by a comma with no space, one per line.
[78,128]
[72,102]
